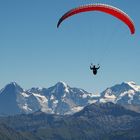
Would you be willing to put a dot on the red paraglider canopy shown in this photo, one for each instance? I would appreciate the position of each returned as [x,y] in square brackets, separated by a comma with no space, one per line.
[102,8]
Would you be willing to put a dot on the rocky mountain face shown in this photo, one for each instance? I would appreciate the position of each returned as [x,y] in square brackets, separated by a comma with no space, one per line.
[99,121]
[8,99]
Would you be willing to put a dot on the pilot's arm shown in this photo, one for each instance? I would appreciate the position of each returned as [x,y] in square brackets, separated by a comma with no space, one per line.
[91,68]
[98,67]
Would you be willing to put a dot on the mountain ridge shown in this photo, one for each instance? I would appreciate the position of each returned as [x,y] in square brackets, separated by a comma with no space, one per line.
[62,99]
[58,99]
[98,121]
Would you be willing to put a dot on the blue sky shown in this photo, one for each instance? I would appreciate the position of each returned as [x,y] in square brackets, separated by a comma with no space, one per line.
[33,52]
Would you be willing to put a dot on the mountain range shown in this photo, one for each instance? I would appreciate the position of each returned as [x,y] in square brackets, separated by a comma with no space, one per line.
[61,112]
[61,99]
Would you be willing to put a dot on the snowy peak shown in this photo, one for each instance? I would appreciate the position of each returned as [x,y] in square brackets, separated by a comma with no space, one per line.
[62,86]
[125,93]
[63,99]
[12,87]
[61,83]
[118,89]
[134,86]
[14,84]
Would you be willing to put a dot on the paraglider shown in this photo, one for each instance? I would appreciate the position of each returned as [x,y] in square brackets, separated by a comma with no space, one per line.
[102,8]
[108,9]
[94,68]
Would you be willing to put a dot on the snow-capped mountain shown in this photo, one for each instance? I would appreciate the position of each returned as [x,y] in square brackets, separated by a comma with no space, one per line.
[62,99]
[126,94]
[58,99]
